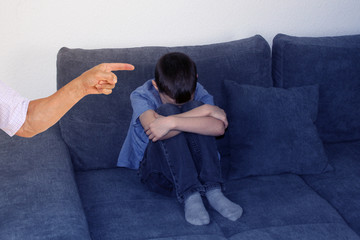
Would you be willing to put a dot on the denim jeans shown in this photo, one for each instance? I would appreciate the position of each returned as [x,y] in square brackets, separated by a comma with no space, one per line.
[183,164]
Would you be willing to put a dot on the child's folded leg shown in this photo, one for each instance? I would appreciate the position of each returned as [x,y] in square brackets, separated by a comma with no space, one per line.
[172,158]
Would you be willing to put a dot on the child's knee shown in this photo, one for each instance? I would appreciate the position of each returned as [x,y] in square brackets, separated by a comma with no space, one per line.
[168,109]
[191,105]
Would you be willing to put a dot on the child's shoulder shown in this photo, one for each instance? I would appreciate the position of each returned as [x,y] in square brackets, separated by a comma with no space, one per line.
[144,89]
[145,92]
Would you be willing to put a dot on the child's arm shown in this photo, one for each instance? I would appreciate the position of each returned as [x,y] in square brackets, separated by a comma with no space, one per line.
[207,110]
[206,120]
[163,127]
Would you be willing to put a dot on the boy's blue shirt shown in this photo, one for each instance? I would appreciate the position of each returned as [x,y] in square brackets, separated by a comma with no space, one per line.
[142,99]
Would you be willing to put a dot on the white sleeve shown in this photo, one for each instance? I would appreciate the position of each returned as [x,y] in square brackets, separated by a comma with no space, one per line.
[13,109]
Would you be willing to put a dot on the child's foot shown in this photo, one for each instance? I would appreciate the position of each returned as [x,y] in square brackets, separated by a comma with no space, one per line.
[223,205]
[195,212]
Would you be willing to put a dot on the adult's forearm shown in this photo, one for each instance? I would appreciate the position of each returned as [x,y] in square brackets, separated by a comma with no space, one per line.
[45,112]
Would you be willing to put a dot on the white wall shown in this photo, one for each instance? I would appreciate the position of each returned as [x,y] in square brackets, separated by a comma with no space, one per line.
[32,31]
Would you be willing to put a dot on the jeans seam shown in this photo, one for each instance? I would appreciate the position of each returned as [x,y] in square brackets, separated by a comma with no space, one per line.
[173,175]
[183,195]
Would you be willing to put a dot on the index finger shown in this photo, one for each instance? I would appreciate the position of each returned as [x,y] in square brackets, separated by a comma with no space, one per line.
[119,66]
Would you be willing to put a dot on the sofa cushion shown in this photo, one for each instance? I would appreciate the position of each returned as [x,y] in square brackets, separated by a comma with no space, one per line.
[117,204]
[96,127]
[275,207]
[334,64]
[38,194]
[322,231]
[341,187]
[272,131]
[281,207]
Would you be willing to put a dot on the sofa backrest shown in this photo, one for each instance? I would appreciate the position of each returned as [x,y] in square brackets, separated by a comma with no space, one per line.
[95,128]
[334,64]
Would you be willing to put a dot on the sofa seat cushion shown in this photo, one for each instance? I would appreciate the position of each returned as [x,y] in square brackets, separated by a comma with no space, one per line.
[322,231]
[272,131]
[95,128]
[281,203]
[342,186]
[38,194]
[334,64]
[118,206]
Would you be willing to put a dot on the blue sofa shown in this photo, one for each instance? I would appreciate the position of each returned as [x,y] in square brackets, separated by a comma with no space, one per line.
[290,157]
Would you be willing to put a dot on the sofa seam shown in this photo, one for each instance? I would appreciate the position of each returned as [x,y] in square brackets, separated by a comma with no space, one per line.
[330,204]
[305,224]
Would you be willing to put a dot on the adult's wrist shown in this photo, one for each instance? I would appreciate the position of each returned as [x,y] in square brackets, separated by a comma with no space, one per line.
[76,88]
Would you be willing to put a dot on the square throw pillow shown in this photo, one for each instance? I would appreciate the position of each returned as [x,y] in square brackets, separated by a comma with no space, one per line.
[272,131]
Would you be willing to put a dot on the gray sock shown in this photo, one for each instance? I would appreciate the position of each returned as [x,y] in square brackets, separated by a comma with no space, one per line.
[195,212]
[223,205]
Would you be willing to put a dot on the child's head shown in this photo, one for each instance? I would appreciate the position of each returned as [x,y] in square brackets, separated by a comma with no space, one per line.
[176,77]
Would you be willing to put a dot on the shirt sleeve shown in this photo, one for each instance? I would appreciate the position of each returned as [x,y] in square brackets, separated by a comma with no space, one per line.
[13,110]
[140,101]
[203,96]
[132,151]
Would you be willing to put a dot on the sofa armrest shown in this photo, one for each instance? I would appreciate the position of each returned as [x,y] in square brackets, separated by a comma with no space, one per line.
[38,193]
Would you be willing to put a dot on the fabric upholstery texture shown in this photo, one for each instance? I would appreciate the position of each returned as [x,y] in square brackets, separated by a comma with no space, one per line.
[272,131]
[39,197]
[275,207]
[342,186]
[334,64]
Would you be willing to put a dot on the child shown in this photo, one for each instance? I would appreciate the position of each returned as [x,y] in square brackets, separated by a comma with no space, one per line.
[171,137]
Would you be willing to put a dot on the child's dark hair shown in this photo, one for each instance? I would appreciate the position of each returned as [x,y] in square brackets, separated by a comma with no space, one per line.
[176,76]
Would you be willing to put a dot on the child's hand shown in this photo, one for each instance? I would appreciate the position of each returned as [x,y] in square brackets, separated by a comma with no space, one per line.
[159,128]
